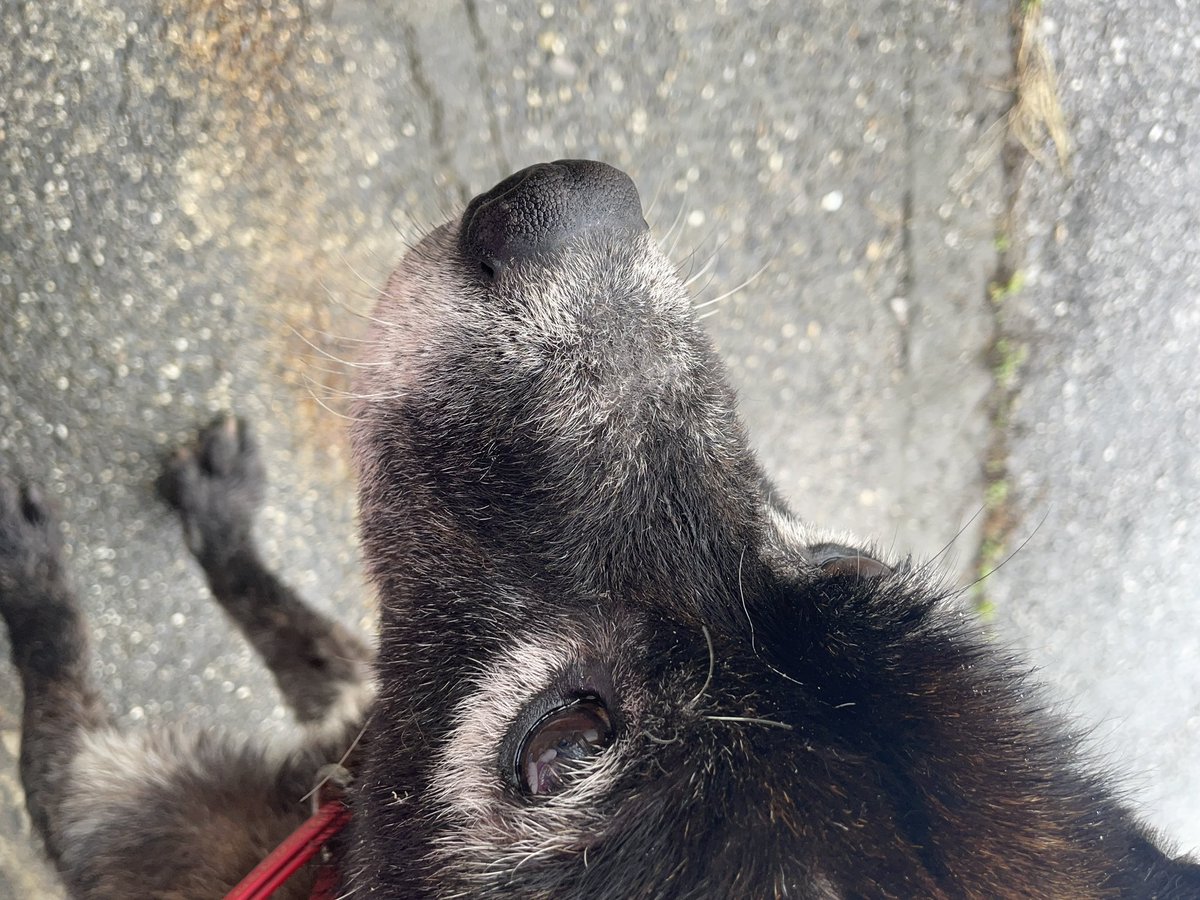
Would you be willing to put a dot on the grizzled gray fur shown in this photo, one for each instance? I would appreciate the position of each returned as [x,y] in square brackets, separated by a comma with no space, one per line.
[611,661]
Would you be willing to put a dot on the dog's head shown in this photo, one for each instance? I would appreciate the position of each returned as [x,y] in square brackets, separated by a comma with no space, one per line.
[612,664]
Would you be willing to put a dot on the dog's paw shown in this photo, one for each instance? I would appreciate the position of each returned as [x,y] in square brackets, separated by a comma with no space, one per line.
[216,485]
[30,543]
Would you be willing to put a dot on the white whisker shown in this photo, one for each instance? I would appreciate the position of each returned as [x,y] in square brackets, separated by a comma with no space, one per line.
[751,720]
[733,291]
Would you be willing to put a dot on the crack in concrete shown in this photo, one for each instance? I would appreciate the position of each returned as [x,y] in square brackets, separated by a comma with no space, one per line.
[437,112]
[904,306]
[904,317]
[481,55]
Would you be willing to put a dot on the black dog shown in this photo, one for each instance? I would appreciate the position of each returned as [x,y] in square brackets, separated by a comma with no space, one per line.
[611,662]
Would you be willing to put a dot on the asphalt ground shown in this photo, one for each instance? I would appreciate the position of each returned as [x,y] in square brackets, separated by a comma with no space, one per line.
[200,199]
[1105,427]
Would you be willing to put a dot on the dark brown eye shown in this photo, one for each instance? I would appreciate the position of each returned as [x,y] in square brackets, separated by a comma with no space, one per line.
[560,743]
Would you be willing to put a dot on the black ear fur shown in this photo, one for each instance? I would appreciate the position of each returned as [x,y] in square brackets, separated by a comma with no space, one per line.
[949,731]
[1182,879]
[1153,874]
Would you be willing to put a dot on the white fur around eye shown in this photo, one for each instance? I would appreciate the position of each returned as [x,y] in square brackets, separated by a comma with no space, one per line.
[485,824]
[466,778]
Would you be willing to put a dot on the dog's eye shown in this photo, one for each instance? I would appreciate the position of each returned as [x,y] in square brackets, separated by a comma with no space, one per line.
[834,559]
[561,742]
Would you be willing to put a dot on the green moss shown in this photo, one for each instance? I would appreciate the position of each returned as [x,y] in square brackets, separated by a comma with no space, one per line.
[1000,291]
[985,609]
[996,494]
[1009,356]
[991,555]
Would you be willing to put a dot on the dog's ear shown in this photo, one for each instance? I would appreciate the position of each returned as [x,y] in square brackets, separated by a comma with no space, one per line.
[792,549]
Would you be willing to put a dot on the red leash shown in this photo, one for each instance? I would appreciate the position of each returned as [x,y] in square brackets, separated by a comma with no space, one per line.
[298,848]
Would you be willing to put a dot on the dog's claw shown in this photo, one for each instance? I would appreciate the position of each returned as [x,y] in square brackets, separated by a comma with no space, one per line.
[223,444]
[29,540]
[216,485]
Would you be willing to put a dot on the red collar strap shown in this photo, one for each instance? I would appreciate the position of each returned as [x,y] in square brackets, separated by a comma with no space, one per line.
[298,848]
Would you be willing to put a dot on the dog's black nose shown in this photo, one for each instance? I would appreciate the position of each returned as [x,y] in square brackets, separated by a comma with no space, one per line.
[541,208]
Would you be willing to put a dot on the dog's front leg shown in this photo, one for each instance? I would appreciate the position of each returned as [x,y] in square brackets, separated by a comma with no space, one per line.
[50,651]
[216,486]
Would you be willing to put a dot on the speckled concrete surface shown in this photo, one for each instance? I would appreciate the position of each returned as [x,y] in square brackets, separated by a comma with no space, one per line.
[195,194]
[1106,428]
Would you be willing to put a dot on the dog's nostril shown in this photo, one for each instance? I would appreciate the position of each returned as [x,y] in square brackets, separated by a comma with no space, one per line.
[543,207]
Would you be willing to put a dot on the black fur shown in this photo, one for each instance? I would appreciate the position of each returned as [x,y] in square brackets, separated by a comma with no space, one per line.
[560,505]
